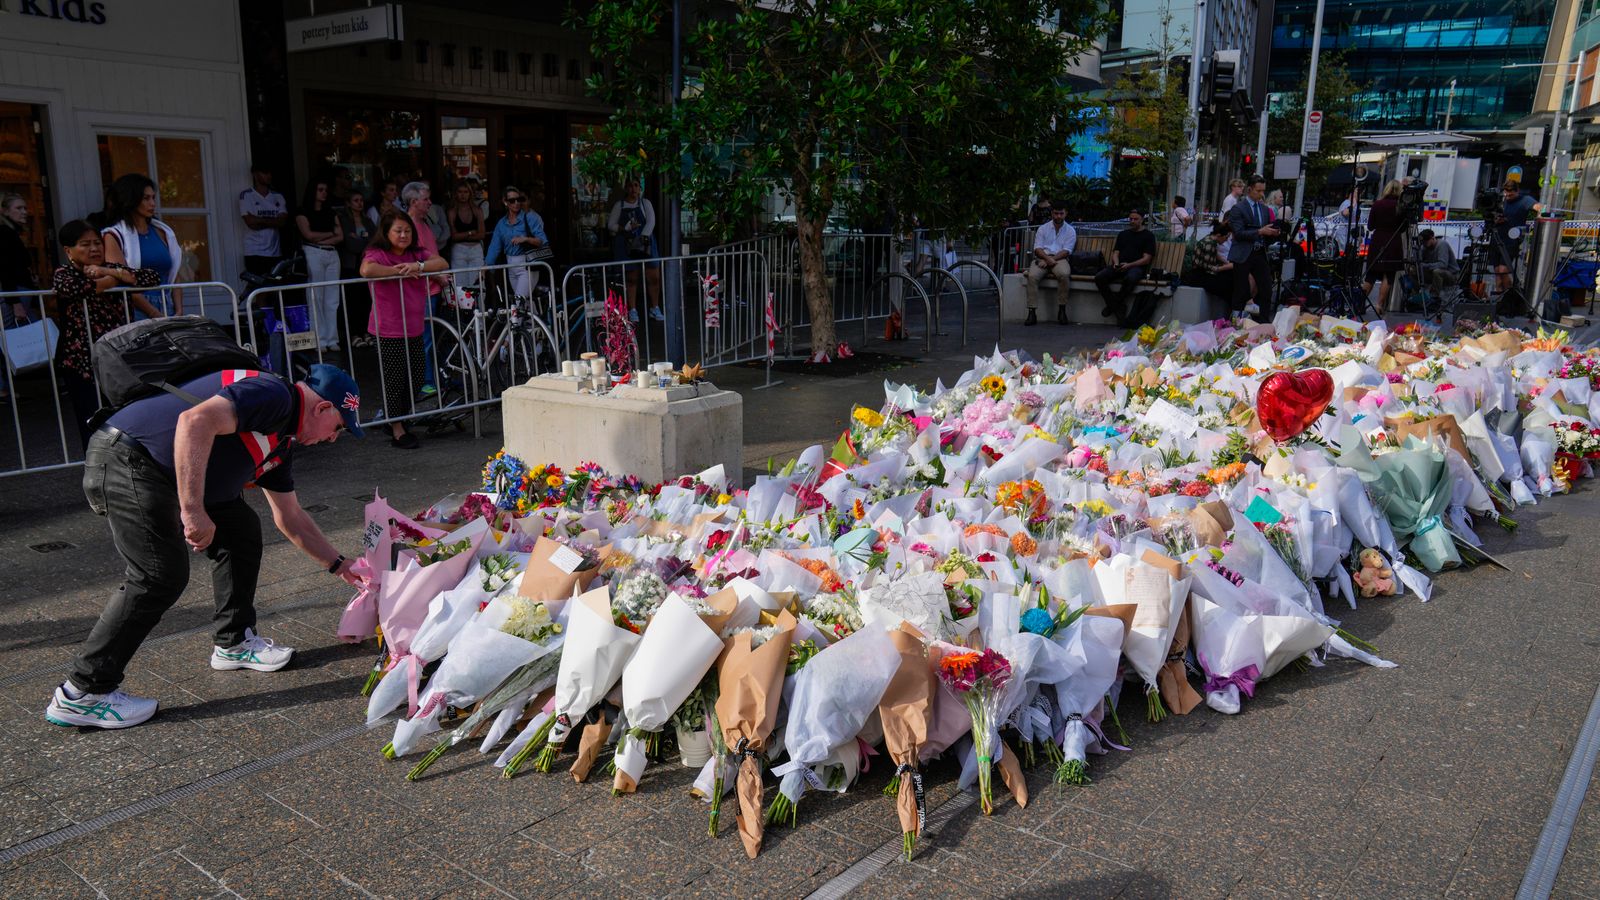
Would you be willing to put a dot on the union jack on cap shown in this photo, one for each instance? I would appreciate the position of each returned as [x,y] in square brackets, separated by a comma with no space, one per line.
[351,402]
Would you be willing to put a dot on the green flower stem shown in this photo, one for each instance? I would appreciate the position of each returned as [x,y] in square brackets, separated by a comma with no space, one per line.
[782,808]
[1111,708]
[1072,771]
[540,738]
[1153,707]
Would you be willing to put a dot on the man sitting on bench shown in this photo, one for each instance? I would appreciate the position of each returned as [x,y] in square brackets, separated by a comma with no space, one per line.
[1053,243]
[1130,259]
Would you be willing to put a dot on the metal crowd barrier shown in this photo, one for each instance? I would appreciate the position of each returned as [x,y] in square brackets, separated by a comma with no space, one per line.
[48,405]
[476,332]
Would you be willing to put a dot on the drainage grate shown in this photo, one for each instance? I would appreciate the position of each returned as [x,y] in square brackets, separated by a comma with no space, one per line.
[167,798]
[51,546]
[1557,831]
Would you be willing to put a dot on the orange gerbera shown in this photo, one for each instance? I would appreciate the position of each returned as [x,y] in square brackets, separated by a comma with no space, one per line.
[957,666]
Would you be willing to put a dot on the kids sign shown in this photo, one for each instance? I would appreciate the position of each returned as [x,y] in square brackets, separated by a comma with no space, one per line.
[356,26]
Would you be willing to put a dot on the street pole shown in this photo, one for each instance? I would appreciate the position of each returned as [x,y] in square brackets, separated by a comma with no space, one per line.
[1197,57]
[1450,105]
[1311,104]
[1552,172]
[1261,138]
[672,280]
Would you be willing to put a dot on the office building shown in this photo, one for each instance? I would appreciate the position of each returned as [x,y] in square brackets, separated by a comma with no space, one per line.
[1468,66]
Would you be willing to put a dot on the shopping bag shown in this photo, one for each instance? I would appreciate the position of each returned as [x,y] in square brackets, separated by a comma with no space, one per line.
[28,347]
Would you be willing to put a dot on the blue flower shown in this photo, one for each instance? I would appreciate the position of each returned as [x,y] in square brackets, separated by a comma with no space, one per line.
[1038,621]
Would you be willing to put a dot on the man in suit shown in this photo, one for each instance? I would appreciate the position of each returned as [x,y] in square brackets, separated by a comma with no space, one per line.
[1251,223]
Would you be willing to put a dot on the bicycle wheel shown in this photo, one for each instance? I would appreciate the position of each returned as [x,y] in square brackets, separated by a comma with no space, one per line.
[513,363]
[458,378]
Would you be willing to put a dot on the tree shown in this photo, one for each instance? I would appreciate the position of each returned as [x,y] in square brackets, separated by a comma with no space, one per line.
[1147,121]
[1336,93]
[944,109]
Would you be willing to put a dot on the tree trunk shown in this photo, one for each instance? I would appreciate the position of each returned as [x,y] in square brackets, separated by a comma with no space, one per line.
[814,278]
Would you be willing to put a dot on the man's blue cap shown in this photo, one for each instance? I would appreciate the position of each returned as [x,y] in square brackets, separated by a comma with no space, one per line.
[334,385]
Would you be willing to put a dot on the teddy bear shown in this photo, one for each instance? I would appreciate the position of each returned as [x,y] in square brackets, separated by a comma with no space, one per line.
[1374,579]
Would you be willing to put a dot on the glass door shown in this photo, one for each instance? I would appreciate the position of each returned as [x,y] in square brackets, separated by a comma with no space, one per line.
[22,171]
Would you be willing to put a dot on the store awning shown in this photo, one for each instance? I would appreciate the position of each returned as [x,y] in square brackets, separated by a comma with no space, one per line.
[1413,139]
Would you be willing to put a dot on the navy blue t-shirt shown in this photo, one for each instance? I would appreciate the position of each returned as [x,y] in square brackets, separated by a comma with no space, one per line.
[264,405]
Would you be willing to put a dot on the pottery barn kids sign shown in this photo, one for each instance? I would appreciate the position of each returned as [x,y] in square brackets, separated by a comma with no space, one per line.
[374,23]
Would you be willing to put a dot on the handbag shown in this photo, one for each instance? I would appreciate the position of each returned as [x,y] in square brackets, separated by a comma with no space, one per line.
[31,346]
[538,253]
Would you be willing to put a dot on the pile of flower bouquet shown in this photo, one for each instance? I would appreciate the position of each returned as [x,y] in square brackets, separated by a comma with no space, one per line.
[973,572]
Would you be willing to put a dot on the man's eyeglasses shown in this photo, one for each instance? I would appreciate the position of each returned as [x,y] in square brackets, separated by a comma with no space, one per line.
[513,199]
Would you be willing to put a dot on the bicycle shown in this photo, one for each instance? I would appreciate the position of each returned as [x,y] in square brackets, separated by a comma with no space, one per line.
[480,352]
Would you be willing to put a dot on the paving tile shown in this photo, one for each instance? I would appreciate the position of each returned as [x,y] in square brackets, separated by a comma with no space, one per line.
[647,866]
[520,867]
[25,815]
[44,879]
[584,825]
[110,853]
[281,873]
[165,875]
[1579,876]
[1496,859]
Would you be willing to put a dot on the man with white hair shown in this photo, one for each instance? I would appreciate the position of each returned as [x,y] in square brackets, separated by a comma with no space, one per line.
[417,200]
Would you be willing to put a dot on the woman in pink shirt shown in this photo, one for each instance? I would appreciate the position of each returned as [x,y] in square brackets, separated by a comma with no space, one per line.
[399,314]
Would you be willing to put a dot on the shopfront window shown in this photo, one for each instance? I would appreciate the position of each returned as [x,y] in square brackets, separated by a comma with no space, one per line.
[373,144]
[178,167]
[465,143]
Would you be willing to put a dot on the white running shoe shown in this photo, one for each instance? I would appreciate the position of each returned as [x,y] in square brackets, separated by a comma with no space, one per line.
[254,652]
[113,710]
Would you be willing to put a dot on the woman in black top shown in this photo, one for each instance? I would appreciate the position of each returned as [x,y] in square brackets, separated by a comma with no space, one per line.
[466,236]
[16,274]
[1385,252]
[357,230]
[321,233]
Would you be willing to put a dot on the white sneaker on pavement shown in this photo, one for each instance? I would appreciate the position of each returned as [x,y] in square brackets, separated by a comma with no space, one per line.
[254,652]
[113,710]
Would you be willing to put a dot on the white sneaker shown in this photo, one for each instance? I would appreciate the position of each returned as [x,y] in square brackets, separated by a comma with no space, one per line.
[113,710]
[254,652]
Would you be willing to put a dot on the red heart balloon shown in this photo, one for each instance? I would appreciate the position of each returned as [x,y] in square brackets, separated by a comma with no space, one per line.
[1287,403]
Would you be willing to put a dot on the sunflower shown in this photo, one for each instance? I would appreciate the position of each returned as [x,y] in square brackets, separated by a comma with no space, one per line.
[994,386]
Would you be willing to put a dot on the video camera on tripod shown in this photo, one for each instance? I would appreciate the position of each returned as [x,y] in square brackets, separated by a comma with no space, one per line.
[1410,204]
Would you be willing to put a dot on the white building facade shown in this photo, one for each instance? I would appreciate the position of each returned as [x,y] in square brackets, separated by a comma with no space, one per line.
[91,90]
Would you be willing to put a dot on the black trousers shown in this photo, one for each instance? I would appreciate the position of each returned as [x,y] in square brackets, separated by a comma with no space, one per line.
[140,503]
[1127,280]
[1257,266]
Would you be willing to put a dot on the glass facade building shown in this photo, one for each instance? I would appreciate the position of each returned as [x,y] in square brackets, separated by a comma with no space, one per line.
[1406,53]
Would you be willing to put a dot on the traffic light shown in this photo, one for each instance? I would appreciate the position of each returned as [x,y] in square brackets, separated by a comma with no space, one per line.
[1224,77]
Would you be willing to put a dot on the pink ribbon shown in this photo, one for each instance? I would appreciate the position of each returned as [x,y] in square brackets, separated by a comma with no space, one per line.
[866,755]
[360,618]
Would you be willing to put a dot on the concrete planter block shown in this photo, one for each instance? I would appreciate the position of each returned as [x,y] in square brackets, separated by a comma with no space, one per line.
[1083,301]
[654,433]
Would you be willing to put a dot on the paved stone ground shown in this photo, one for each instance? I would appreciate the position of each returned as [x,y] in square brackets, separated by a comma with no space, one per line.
[1430,779]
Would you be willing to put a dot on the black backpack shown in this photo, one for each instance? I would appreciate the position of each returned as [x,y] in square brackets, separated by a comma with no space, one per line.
[1142,309]
[154,355]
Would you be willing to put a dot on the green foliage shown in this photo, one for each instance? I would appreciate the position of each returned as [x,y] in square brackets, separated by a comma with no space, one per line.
[942,109]
[1147,124]
[1336,93]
